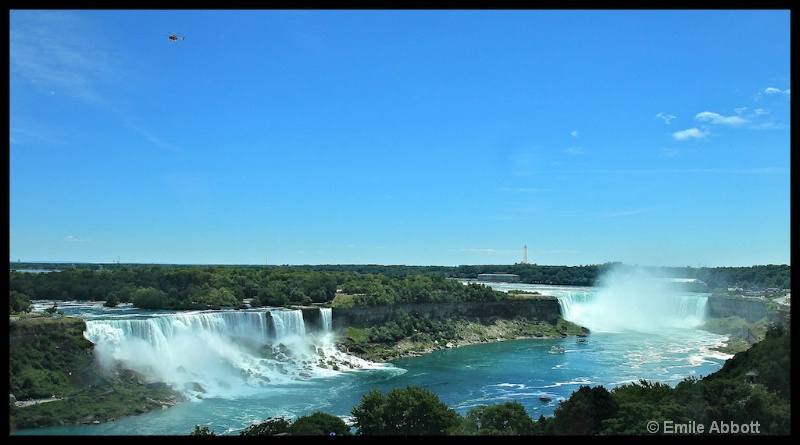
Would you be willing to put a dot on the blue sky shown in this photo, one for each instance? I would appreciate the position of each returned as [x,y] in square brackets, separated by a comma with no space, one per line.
[657,138]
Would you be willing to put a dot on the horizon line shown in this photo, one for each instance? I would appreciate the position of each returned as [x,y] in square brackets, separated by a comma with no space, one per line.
[11,262]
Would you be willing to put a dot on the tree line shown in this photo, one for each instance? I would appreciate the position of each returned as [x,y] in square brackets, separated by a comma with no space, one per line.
[187,287]
[193,287]
[755,277]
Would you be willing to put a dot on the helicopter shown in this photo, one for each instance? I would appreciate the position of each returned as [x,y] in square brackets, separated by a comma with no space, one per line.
[175,37]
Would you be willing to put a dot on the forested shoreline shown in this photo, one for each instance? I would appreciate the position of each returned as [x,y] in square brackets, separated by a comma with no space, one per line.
[213,286]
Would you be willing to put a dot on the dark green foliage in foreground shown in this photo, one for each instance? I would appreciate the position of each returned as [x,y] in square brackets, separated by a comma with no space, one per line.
[584,412]
[319,424]
[204,431]
[316,424]
[505,419]
[640,403]
[269,427]
[770,360]
[412,411]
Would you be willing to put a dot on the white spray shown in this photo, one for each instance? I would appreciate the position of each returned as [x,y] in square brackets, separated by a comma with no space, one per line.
[633,299]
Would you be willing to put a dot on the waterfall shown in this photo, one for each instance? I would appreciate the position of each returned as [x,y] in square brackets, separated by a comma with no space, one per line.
[288,322]
[632,299]
[160,332]
[639,312]
[326,315]
[694,309]
[220,353]
[568,299]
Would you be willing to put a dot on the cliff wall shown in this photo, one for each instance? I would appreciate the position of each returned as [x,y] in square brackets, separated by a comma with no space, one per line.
[544,309]
[750,309]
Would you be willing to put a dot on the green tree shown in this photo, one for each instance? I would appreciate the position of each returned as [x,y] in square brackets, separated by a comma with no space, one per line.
[111,300]
[368,415]
[218,298]
[411,411]
[204,431]
[18,302]
[583,413]
[319,424]
[274,294]
[633,417]
[149,298]
[506,419]
[269,427]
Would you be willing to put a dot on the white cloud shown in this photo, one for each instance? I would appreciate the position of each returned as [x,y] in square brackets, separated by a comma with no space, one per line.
[666,117]
[573,151]
[695,133]
[760,111]
[771,90]
[575,133]
[716,118]
[73,239]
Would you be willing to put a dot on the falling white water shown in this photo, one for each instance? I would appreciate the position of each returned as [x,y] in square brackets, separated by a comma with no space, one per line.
[630,299]
[288,324]
[326,314]
[222,353]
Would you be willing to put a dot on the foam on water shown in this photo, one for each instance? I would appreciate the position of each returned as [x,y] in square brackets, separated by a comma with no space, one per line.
[222,353]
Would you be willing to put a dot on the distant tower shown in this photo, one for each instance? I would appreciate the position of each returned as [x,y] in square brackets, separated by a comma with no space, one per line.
[525,254]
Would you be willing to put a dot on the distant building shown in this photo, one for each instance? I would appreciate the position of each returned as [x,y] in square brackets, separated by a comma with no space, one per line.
[499,277]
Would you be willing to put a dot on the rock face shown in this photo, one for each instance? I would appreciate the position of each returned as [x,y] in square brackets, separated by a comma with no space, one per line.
[750,309]
[545,309]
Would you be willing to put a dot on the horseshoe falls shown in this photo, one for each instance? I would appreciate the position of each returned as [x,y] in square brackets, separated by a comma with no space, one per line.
[636,301]
[625,301]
